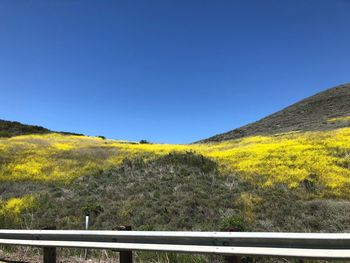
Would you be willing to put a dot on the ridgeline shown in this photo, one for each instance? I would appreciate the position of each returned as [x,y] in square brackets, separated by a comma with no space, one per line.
[323,111]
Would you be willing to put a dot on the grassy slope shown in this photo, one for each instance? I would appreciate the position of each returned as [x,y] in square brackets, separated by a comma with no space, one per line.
[13,128]
[310,114]
[179,191]
[316,161]
[285,182]
[319,158]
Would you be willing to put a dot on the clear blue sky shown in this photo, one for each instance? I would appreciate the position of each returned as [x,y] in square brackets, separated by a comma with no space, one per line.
[166,71]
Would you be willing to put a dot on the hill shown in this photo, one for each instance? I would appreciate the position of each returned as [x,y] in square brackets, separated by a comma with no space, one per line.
[296,179]
[326,110]
[14,128]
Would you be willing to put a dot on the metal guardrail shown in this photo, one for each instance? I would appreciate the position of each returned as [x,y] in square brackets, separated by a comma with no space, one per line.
[296,245]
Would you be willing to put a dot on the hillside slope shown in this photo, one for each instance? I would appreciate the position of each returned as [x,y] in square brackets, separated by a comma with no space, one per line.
[326,110]
[14,128]
[319,157]
[270,180]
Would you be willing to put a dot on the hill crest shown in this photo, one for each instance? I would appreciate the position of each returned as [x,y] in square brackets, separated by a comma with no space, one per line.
[15,128]
[326,110]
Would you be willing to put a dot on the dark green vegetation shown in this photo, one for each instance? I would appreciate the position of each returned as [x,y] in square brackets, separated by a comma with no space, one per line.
[175,192]
[310,114]
[14,128]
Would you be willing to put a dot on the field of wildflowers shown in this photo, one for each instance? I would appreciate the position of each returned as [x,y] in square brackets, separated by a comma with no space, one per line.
[321,158]
[295,181]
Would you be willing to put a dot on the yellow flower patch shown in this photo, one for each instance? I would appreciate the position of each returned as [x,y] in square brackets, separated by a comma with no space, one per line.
[322,157]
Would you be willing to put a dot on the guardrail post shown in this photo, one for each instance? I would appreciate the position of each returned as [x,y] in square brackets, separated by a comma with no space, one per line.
[233,259]
[49,253]
[125,256]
